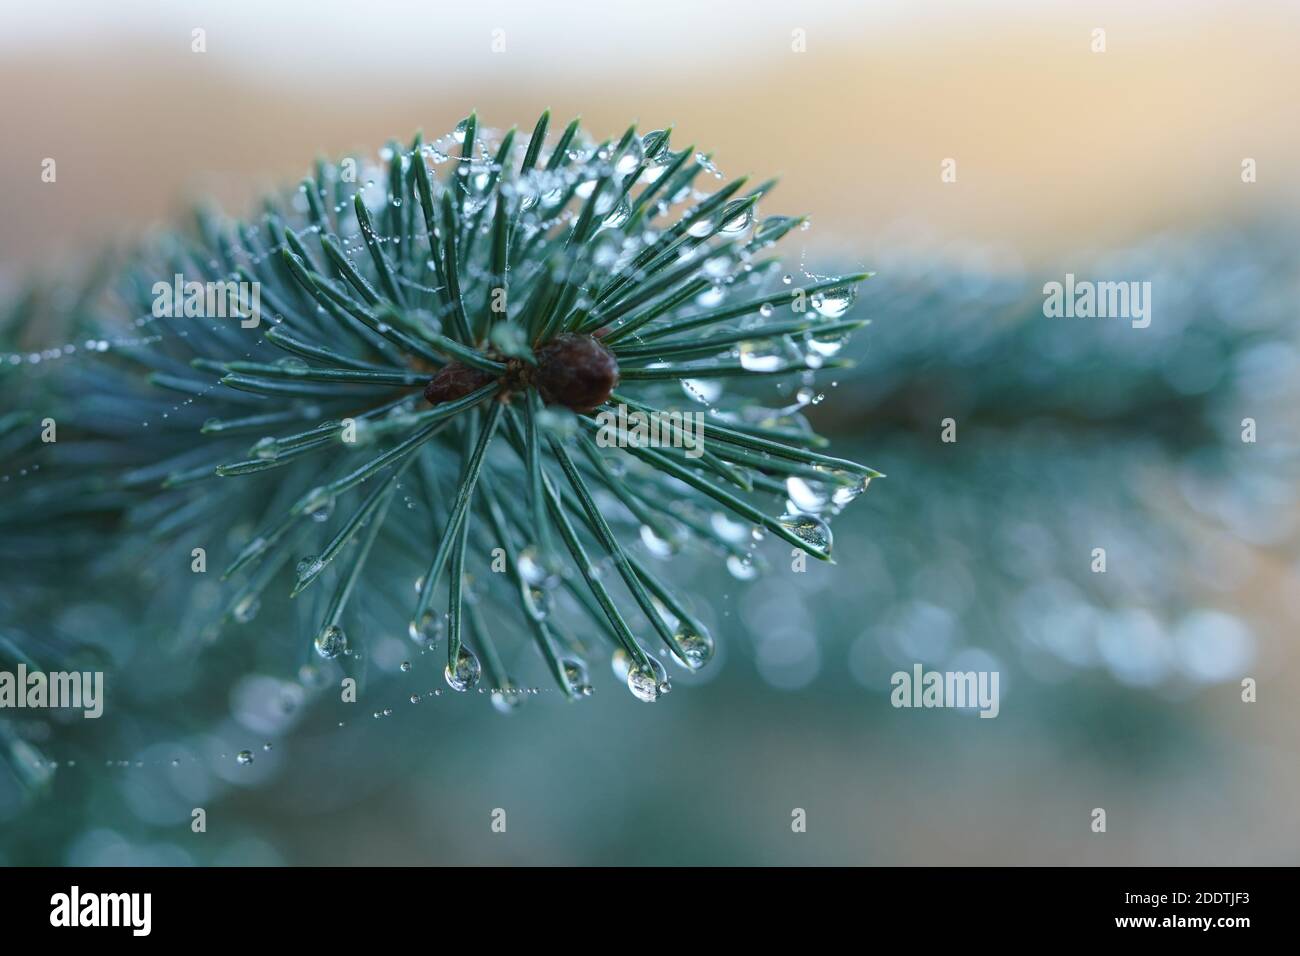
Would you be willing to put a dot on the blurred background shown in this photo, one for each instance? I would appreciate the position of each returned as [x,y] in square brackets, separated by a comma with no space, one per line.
[1119,690]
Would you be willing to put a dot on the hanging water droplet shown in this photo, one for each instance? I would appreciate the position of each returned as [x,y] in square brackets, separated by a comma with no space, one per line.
[427,630]
[537,601]
[467,671]
[618,214]
[809,529]
[575,672]
[319,503]
[655,146]
[244,757]
[308,567]
[406,667]
[648,682]
[266,449]
[737,217]
[848,485]
[331,642]
[833,303]
[765,310]
[823,347]
[693,649]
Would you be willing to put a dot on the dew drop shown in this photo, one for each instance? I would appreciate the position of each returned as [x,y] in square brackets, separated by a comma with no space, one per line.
[809,529]
[648,682]
[318,503]
[331,642]
[848,487]
[266,449]
[467,671]
[823,348]
[537,601]
[693,649]
[833,303]
[654,145]
[575,672]
[308,567]
[618,214]
[244,757]
[738,217]
[427,630]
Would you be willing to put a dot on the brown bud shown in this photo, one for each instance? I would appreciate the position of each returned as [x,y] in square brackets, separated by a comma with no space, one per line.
[575,371]
[454,381]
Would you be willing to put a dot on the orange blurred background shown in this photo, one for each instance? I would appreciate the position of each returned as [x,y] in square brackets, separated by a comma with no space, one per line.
[1058,148]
